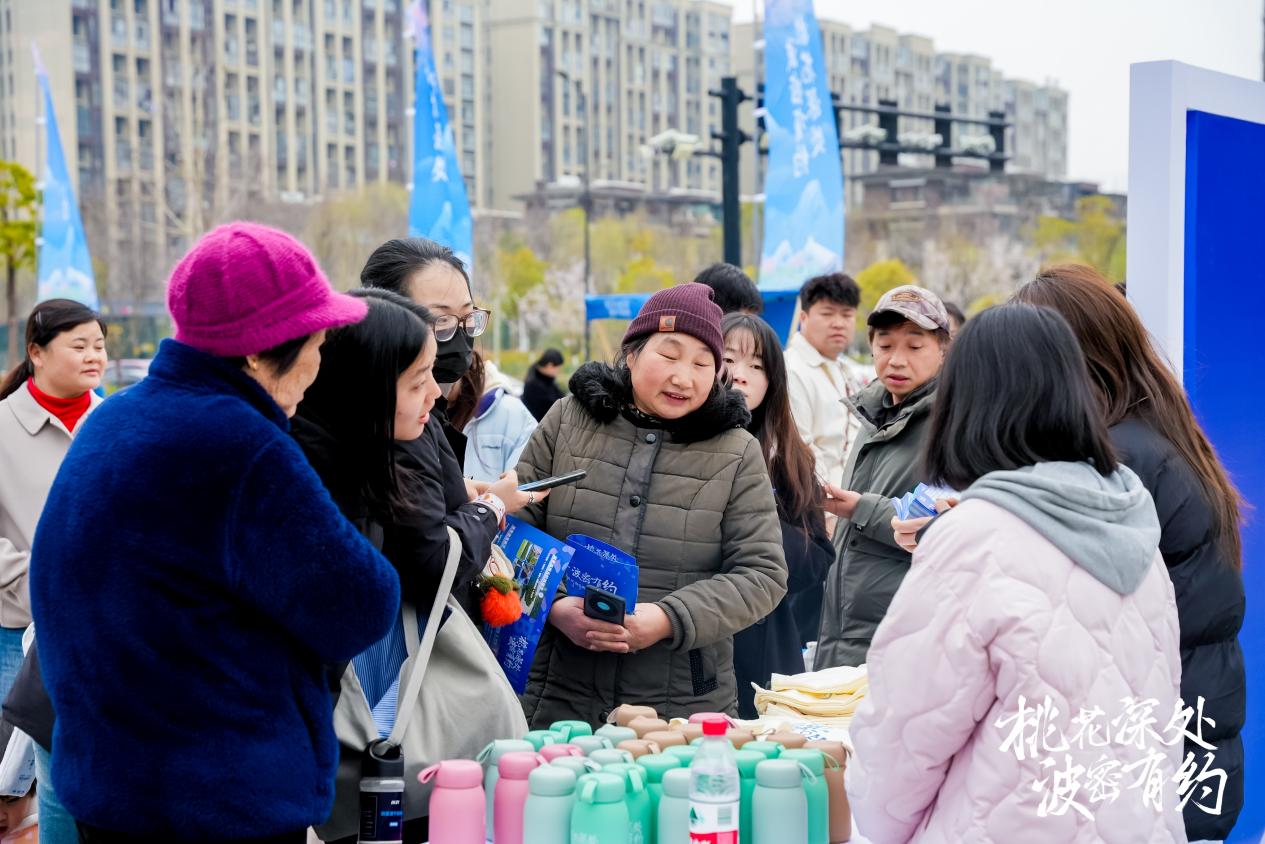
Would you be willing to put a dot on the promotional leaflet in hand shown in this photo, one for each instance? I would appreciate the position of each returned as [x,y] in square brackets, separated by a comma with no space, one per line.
[603,567]
[539,562]
[921,502]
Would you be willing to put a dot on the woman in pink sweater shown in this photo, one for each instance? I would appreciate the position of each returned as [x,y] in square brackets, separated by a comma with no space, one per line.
[1024,680]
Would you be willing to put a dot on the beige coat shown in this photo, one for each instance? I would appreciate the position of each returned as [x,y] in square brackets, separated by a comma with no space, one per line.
[32,445]
[819,390]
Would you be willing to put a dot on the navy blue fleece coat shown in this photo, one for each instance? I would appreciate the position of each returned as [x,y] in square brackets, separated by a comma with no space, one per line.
[189,577]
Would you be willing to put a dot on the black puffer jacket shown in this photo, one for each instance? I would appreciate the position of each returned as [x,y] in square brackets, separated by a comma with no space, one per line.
[772,645]
[421,538]
[1210,605]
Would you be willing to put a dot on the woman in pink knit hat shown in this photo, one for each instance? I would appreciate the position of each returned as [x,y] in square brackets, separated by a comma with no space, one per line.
[193,576]
[675,480]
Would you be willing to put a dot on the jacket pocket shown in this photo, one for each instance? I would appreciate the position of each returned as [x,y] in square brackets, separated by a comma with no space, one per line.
[703,671]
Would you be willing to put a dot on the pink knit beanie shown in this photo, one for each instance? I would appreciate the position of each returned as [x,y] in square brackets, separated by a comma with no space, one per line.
[245,288]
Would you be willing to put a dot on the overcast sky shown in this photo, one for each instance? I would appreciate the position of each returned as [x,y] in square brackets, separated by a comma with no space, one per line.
[1086,46]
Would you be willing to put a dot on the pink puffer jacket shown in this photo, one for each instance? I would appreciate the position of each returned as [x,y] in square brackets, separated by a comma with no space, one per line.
[991,613]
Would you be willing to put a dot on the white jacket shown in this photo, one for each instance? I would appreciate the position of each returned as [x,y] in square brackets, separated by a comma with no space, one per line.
[818,388]
[32,445]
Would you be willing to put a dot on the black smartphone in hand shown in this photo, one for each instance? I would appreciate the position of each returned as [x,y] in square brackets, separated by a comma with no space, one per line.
[604,606]
[556,480]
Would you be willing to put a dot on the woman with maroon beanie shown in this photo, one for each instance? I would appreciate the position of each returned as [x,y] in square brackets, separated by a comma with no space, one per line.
[191,576]
[675,480]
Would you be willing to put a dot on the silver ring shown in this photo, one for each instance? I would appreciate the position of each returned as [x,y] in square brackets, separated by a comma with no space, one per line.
[531,498]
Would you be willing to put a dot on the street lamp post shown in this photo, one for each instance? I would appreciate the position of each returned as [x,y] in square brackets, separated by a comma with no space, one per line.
[582,104]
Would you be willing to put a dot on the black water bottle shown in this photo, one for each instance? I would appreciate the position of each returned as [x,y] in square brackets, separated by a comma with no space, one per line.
[381,794]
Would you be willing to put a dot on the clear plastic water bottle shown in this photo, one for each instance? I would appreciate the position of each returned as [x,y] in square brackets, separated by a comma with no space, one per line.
[715,789]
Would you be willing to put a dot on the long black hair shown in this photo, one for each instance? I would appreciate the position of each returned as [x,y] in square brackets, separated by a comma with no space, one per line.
[791,464]
[47,320]
[353,397]
[1014,391]
[393,264]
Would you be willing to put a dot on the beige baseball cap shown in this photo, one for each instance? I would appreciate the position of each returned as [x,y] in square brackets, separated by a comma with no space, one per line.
[916,304]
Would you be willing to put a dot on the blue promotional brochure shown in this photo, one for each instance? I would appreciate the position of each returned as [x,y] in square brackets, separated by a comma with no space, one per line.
[603,567]
[539,562]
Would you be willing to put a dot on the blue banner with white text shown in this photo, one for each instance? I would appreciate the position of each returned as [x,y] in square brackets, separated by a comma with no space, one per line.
[65,265]
[438,207]
[803,189]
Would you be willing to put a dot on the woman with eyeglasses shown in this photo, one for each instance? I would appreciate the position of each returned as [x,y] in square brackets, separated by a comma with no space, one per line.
[433,276]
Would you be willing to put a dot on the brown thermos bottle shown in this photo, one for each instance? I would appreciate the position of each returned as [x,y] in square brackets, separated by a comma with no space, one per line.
[840,812]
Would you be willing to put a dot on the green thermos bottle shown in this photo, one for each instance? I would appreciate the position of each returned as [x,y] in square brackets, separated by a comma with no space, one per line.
[656,766]
[779,812]
[550,799]
[746,760]
[600,815]
[673,823]
[639,825]
[817,791]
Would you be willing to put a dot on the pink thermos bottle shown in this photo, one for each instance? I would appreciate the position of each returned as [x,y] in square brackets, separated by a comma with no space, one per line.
[457,803]
[511,796]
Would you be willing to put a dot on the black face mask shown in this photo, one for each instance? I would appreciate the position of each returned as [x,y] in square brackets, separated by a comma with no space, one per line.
[453,358]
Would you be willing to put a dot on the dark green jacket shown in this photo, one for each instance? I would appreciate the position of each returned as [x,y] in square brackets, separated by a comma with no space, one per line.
[885,463]
[694,505]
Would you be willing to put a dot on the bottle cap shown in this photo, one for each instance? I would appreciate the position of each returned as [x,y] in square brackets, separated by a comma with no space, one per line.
[658,765]
[381,760]
[634,776]
[626,713]
[676,783]
[571,729]
[779,773]
[704,717]
[610,757]
[457,773]
[647,725]
[746,760]
[551,781]
[768,749]
[516,766]
[690,731]
[683,754]
[540,738]
[811,759]
[716,726]
[577,765]
[553,751]
[600,788]
[665,738]
[590,743]
[494,751]
[617,734]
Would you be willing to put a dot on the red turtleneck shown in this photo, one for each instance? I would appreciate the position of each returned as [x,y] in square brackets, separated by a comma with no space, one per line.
[69,411]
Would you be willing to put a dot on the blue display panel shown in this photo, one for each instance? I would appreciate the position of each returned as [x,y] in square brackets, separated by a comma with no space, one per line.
[1224,368]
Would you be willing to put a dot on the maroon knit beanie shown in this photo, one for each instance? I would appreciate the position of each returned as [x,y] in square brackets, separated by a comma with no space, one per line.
[684,309]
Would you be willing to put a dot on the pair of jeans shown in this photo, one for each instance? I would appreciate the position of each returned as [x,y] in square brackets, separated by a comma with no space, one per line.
[56,824]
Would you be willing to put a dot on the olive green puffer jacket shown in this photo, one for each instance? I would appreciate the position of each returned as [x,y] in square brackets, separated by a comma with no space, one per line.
[693,503]
[885,463]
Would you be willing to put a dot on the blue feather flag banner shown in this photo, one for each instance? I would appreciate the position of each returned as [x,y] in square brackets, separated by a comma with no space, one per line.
[438,207]
[65,265]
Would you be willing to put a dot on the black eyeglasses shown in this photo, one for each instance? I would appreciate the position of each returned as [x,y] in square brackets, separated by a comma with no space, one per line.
[473,324]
